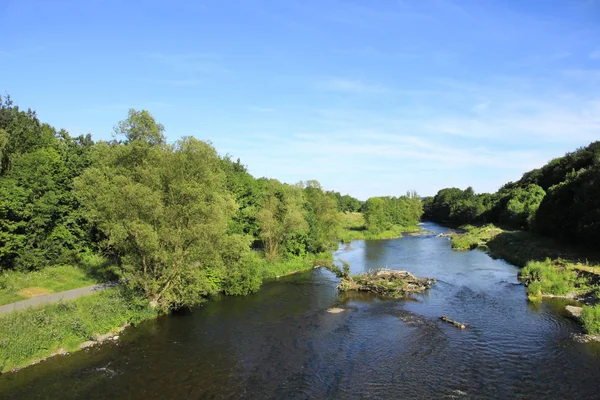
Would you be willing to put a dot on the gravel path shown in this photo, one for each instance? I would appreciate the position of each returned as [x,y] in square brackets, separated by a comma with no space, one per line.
[55,297]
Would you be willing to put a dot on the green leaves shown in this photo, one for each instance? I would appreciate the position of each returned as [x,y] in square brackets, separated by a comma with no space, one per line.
[281,219]
[39,217]
[383,213]
[166,214]
[140,126]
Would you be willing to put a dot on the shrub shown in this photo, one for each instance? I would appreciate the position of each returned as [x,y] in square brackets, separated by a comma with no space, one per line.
[590,316]
[548,278]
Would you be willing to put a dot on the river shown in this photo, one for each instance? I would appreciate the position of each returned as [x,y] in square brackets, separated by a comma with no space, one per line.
[282,343]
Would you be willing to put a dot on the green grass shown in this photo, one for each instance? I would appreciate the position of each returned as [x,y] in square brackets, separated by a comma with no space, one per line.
[590,316]
[353,228]
[52,279]
[521,247]
[549,267]
[551,278]
[282,267]
[19,285]
[473,236]
[35,333]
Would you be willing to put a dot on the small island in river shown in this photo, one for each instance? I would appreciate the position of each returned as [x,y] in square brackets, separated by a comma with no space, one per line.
[386,282]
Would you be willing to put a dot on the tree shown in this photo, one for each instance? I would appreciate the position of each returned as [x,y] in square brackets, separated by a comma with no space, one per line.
[166,215]
[40,220]
[522,206]
[375,215]
[571,210]
[247,193]
[140,126]
[323,219]
[281,220]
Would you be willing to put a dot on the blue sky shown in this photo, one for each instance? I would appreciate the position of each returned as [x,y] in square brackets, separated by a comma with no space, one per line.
[368,97]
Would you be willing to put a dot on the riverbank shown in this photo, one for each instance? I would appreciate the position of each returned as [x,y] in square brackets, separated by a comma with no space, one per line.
[549,268]
[353,228]
[34,334]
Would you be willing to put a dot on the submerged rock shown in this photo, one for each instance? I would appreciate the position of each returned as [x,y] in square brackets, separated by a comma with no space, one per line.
[386,282]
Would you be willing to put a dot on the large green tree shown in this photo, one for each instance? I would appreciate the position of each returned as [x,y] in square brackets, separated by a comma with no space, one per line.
[165,210]
[281,220]
[324,221]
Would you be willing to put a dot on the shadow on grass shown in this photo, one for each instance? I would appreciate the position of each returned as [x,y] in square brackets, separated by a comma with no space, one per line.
[355,228]
[99,268]
[519,247]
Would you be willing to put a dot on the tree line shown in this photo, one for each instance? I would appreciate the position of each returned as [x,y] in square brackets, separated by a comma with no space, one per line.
[561,200]
[180,221]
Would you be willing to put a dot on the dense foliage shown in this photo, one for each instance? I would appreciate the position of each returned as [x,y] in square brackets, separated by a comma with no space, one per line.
[382,213]
[560,200]
[179,221]
[40,217]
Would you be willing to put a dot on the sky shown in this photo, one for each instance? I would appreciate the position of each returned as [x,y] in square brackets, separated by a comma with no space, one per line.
[370,98]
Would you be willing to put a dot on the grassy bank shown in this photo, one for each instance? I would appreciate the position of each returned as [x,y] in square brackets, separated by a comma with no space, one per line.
[282,267]
[550,268]
[36,333]
[33,334]
[554,278]
[521,247]
[353,228]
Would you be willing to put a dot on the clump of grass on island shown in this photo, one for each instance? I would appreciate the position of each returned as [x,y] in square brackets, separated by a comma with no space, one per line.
[590,316]
[554,278]
[353,228]
[36,333]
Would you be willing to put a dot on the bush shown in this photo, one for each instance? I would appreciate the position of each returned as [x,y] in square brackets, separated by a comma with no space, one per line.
[534,292]
[590,316]
[543,277]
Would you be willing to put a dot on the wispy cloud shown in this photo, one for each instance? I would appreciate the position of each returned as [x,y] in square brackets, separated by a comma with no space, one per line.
[351,86]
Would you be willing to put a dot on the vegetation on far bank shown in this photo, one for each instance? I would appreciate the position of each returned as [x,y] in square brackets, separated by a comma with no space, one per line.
[353,227]
[560,200]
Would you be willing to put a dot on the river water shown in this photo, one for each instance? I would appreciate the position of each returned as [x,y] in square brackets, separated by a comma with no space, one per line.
[282,343]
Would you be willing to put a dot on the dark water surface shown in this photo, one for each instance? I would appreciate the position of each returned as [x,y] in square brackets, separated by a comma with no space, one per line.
[282,343]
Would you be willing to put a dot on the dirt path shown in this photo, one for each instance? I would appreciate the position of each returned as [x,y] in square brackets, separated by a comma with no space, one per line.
[55,297]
